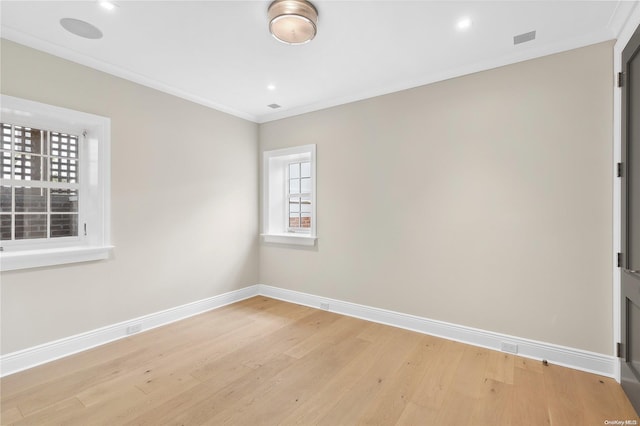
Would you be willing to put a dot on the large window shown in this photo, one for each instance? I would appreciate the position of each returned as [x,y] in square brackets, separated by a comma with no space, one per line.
[289,196]
[39,195]
[54,192]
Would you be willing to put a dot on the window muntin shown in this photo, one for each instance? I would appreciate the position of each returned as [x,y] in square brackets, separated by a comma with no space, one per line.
[299,197]
[40,184]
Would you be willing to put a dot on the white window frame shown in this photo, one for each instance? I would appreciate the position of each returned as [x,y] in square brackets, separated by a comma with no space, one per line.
[275,196]
[94,191]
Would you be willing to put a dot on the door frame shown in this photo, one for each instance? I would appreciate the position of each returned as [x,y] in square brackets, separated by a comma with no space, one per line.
[623,38]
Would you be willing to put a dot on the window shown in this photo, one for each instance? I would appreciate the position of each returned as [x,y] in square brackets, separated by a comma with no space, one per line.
[299,197]
[289,200]
[54,195]
[40,192]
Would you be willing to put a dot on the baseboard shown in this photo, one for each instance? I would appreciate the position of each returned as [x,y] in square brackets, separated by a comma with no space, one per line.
[31,357]
[560,355]
[569,357]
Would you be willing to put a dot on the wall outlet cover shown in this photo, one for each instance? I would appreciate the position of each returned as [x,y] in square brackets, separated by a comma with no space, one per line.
[135,328]
[509,347]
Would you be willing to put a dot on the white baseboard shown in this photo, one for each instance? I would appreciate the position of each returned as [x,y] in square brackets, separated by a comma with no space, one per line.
[31,357]
[560,355]
[569,357]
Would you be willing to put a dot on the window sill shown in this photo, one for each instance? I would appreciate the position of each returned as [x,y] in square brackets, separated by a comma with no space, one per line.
[10,261]
[291,239]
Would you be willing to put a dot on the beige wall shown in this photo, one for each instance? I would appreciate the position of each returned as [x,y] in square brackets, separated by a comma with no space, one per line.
[184,201]
[484,201]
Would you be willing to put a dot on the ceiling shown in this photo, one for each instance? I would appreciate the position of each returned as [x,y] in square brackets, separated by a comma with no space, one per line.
[220,53]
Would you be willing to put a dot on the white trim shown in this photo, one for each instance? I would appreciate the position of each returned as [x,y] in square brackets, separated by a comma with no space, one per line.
[10,261]
[274,218]
[41,354]
[293,239]
[568,357]
[518,55]
[71,55]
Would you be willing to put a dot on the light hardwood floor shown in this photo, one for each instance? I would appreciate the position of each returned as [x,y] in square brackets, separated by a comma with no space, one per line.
[267,362]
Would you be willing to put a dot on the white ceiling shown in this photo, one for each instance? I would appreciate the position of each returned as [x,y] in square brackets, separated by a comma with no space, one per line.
[220,53]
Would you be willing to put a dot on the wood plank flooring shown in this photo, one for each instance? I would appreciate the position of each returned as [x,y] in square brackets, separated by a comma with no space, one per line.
[267,362]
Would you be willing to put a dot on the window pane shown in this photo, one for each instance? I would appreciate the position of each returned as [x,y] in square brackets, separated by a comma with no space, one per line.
[294,186]
[31,199]
[28,140]
[306,205]
[305,169]
[5,199]
[294,220]
[6,137]
[305,185]
[5,226]
[31,226]
[294,170]
[64,170]
[64,225]
[29,167]
[6,165]
[64,145]
[306,220]
[64,201]
[294,205]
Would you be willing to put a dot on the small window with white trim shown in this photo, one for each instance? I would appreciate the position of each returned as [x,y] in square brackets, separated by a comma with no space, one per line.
[289,199]
[54,192]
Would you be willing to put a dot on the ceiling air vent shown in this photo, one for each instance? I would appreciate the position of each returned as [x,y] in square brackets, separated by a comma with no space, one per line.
[522,38]
[273,106]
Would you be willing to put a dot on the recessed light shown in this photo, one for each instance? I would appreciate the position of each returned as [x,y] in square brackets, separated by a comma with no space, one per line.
[274,106]
[271,87]
[463,24]
[108,5]
[81,28]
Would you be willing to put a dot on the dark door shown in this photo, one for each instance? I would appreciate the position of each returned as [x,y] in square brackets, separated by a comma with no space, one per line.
[630,308]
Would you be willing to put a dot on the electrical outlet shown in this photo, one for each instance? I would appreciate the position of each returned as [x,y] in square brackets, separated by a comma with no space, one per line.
[135,328]
[509,347]
[324,306]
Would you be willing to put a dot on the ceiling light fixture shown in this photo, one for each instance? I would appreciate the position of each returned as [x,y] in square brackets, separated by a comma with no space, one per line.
[293,21]
[271,87]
